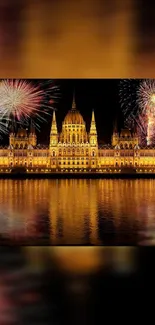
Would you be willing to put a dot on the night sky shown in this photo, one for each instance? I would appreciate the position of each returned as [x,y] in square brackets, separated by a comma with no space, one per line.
[100,95]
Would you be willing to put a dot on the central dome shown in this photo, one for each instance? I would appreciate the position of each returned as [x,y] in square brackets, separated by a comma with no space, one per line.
[22,133]
[73,116]
[125,133]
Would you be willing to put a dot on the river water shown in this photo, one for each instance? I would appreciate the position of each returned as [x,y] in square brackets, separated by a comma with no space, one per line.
[82,212]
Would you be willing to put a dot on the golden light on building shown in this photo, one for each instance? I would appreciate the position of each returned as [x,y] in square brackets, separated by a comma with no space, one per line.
[74,149]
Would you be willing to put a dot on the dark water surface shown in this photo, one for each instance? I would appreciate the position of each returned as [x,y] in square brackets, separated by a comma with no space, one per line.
[97,212]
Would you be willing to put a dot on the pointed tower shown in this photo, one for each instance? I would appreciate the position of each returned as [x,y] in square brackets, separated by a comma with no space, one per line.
[12,135]
[93,142]
[53,136]
[115,135]
[73,102]
[93,131]
[32,135]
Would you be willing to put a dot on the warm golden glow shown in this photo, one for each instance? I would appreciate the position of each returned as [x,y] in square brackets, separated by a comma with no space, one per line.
[78,259]
[75,212]
[74,149]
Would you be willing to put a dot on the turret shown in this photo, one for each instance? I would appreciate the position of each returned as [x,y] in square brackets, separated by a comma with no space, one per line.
[115,135]
[12,136]
[32,135]
[135,135]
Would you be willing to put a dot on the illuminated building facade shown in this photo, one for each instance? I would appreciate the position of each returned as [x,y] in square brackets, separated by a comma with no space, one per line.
[75,149]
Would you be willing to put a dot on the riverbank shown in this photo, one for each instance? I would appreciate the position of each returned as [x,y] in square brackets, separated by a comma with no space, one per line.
[69,175]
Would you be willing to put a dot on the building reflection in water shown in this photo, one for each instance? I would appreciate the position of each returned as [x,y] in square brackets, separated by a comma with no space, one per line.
[73,212]
[105,212]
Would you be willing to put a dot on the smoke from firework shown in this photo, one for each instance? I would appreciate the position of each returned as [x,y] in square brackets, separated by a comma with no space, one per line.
[22,100]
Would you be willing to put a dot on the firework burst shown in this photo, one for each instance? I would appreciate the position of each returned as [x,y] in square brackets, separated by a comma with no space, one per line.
[19,98]
[22,100]
[146,102]
[146,96]
[137,99]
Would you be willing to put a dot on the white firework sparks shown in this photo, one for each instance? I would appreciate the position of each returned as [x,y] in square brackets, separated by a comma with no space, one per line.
[146,96]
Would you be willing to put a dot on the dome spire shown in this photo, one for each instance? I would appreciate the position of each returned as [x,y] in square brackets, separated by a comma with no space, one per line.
[73,103]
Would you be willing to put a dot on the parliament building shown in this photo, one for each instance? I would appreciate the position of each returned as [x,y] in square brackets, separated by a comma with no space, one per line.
[74,149]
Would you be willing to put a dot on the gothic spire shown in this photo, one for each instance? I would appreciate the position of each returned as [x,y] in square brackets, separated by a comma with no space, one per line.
[32,128]
[115,129]
[54,124]
[93,124]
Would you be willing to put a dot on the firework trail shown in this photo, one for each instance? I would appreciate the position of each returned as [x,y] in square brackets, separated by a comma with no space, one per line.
[3,128]
[21,100]
[137,99]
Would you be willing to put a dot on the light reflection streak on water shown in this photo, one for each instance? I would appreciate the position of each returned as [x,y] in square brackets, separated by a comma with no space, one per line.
[77,211]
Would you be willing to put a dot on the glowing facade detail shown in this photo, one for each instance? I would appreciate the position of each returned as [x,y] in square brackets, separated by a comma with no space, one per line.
[75,149]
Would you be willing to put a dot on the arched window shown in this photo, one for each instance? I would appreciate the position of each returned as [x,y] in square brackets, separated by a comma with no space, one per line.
[73,137]
[53,153]
[93,153]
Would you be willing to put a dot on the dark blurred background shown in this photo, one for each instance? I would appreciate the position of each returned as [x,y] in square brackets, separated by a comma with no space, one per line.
[75,285]
[77,39]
